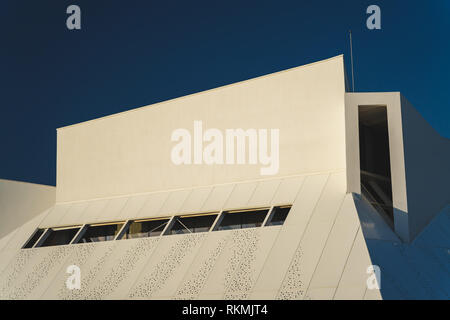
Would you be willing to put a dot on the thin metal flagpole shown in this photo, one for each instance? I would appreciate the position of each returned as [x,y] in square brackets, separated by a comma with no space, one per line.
[351,58]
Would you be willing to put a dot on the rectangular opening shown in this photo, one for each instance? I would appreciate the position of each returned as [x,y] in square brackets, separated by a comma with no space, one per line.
[375,164]
[278,215]
[58,236]
[192,223]
[145,228]
[34,238]
[101,232]
[240,219]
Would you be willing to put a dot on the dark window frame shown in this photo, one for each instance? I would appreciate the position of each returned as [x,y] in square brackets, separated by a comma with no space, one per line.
[183,220]
[273,213]
[228,213]
[50,232]
[87,228]
[125,232]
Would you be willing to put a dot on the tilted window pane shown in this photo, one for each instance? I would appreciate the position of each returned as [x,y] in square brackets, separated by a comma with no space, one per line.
[37,234]
[194,224]
[97,233]
[57,237]
[242,219]
[279,214]
[147,228]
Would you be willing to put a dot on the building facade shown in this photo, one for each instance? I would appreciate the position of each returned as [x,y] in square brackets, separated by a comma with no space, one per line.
[285,186]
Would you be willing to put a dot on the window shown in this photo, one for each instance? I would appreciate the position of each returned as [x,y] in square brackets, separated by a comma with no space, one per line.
[374,157]
[192,224]
[240,219]
[35,237]
[101,232]
[58,236]
[278,215]
[145,228]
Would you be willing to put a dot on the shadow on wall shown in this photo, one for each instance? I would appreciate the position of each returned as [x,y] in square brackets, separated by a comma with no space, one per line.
[419,270]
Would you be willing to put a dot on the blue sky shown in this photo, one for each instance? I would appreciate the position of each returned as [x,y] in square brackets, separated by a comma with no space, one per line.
[134,53]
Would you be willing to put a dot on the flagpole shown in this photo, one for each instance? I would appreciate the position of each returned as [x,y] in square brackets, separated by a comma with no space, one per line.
[351,58]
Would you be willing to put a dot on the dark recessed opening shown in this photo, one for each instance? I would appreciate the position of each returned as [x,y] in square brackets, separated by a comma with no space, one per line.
[145,228]
[37,234]
[375,161]
[192,224]
[101,232]
[241,219]
[278,216]
[59,236]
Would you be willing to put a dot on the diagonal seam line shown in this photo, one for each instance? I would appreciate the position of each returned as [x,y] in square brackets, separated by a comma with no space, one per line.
[326,241]
[346,260]
[306,227]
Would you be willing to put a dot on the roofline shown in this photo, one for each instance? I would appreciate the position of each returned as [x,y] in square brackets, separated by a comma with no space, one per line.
[201,92]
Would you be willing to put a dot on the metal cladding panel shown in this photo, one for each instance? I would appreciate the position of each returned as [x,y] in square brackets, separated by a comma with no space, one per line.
[276,264]
[241,195]
[218,197]
[92,258]
[74,215]
[201,267]
[408,283]
[133,206]
[311,246]
[7,255]
[288,190]
[166,267]
[25,231]
[241,283]
[374,226]
[152,205]
[6,238]
[174,202]
[28,274]
[239,264]
[336,251]
[93,210]
[123,269]
[322,251]
[352,285]
[286,245]
[264,193]
[112,210]
[373,295]
[438,233]
[306,201]
[196,200]
[55,215]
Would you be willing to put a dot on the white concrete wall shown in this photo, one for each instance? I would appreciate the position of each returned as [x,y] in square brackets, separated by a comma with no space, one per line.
[130,152]
[395,129]
[21,202]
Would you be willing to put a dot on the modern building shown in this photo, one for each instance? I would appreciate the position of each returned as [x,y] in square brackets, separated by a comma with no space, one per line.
[286,186]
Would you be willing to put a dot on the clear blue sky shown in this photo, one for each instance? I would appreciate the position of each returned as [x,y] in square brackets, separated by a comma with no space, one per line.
[133,53]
